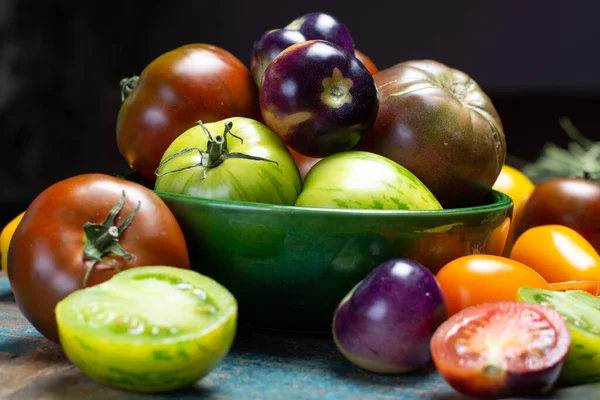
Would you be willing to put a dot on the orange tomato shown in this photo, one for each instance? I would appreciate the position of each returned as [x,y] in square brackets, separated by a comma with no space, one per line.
[558,253]
[518,187]
[483,278]
[592,287]
[367,62]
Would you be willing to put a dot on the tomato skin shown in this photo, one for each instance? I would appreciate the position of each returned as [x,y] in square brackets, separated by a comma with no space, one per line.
[190,83]
[558,253]
[518,187]
[366,61]
[482,278]
[572,202]
[5,238]
[591,287]
[304,163]
[46,252]
[490,350]
[233,179]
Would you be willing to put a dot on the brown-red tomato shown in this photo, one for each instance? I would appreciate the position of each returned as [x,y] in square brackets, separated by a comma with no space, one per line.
[187,84]
[77,220]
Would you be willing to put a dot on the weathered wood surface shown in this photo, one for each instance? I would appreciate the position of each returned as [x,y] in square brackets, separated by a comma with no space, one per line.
[261,365]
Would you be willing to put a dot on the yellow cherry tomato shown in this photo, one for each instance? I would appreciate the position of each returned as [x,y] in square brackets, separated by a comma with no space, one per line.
[558,253]
[5,236]
[518,187]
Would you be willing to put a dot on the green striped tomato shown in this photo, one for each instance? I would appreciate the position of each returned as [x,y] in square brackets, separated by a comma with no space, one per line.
[148,329]
[270,177]
[363,180]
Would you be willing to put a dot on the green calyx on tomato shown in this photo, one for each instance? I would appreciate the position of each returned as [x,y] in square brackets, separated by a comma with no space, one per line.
[581,311]
[255,167]
[103,239]
[148,329]
[127,86]
[216,152]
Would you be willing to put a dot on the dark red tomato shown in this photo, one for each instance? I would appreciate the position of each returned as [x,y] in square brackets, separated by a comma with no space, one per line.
[501,349]
[304,163]
[571,202]
[190,83]
[367,62]
[81,231]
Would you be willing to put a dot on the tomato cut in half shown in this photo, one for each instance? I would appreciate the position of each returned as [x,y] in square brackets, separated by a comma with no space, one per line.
[501,349]
[148,329]
[581,311]
[592,287]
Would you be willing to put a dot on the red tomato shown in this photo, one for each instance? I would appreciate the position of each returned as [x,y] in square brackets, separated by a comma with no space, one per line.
[501,349]
[592,287]
[76,222]
[303,162]
[190,83]
[483,278]
[367,62]
[558,253]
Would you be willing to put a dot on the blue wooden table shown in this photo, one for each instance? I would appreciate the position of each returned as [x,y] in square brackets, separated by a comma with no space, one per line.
[261,365]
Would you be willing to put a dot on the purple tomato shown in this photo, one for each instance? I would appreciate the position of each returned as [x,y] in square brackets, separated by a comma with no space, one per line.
[318,98]
[270,44]
[385,323]
[318,25]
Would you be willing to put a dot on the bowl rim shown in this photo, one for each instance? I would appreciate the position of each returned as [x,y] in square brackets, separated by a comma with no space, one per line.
[499,202]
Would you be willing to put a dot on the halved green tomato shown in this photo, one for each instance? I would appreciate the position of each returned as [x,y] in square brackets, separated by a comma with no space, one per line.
[148,329]
[581,311]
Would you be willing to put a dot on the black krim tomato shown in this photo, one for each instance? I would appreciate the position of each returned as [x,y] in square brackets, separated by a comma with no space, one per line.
[385,323]
[581,310]
[318,98]
[572,202]
[150,329]
[311,26]
[235,159]
[187,84]
[501,349]
[438,122]
[81,231]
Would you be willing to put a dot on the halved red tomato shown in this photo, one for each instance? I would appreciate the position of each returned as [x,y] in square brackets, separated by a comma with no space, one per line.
[501,349]
[592,287]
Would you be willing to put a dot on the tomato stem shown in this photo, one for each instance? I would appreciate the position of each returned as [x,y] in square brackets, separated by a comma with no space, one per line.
[103,239]
[127,86]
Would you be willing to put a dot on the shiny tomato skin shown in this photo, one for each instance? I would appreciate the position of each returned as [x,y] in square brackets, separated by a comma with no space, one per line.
[304,163]
[558,253]
[573,202]
[366,60]
[502,349]
[592,287]
[46,261]
[190,83]
[482,278]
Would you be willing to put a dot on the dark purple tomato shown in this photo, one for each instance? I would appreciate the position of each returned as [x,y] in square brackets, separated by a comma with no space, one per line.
[385,323]
[270,44]
[437,122]
[318,98]
[318,25]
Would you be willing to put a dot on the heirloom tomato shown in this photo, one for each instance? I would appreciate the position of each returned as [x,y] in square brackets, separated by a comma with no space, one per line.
[502,349]
[558,253]
[518,187]
[81,231]
[573,202]
[482,278]
[187,84]
[5,238]
[150,329]
[234,159]
[366,60]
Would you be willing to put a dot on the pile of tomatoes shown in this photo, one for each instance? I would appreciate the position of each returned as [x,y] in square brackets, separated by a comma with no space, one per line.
[310,121]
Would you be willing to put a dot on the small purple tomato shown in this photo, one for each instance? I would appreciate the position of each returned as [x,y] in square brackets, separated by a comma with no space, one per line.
[270,44]
[318,98]
[386,321]
[322,26]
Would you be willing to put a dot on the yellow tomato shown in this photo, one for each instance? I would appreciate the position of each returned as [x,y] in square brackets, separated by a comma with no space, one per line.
[558,253]
[5,237]
[518,187]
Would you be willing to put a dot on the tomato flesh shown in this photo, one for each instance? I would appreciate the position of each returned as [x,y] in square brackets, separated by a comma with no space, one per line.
[150,329]
[501,349]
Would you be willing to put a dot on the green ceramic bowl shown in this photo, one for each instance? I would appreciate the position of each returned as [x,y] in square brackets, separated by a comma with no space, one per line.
[290,266]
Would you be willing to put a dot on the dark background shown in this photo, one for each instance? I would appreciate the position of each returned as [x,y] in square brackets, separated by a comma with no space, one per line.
[61,63]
